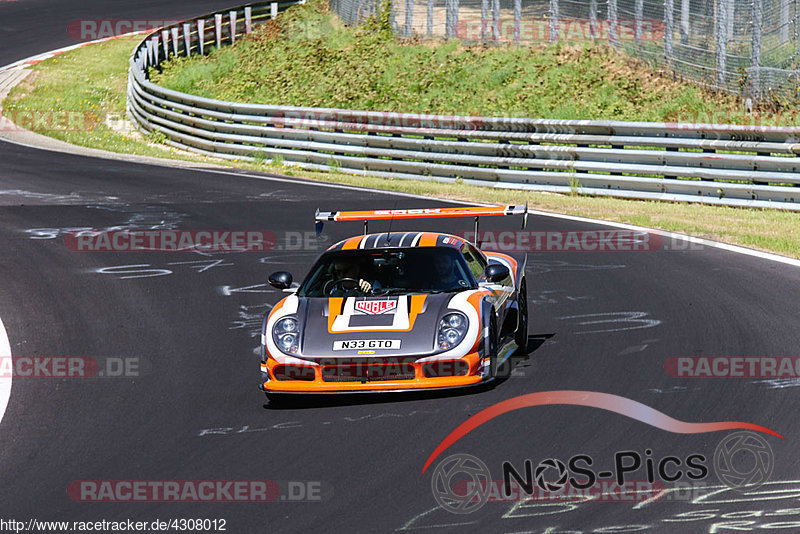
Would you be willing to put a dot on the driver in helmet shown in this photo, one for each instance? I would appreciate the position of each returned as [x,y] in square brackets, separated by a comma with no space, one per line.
[348,269]
[445,271]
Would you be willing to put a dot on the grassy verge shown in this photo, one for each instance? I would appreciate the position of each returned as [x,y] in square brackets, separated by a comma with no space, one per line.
[66,83]
[90,83]
[307,58]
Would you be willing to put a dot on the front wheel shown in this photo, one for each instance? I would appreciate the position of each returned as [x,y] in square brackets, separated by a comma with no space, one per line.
[491,344]
[521,335]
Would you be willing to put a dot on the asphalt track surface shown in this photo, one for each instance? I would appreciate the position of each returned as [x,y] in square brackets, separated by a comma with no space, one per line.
[194,412]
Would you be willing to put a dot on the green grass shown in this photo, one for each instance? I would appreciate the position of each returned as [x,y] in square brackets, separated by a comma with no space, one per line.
[66,83]
[308,58]
[91,81]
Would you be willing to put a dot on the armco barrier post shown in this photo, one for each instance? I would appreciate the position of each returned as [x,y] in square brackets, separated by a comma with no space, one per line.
[174,31]
[152,58]
[201,35]
[165,42]
[248,20]
[273,10]
[553,21]
[232,16]
[187,38]
[218,29]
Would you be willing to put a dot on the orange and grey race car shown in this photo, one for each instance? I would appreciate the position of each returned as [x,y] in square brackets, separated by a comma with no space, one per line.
[396,311]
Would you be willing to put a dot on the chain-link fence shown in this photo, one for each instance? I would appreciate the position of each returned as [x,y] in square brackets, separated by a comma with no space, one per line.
[746,47]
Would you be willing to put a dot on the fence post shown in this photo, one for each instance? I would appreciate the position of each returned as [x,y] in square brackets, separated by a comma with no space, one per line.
[685,11]
[218,29]
[187,38]
[593,19]
[484,20]
[430,18]
[722,42]
[784,21]
[456,7]
[248,20]
[495,20]
[613,22]
[755,51]
[409,17]
[232,16]
[639,13]
[553,21]
[669,30]
[797,42]
[731,17]
[517,19]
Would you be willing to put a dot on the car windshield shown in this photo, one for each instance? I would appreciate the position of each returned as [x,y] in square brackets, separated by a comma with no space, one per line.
[388,271]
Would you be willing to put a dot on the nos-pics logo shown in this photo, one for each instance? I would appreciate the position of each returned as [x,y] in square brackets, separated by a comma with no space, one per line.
[743,461]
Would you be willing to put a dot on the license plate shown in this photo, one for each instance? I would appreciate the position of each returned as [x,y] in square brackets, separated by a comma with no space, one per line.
[360,344]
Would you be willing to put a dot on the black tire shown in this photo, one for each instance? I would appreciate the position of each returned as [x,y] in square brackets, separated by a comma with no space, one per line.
[491,343]
[521,335]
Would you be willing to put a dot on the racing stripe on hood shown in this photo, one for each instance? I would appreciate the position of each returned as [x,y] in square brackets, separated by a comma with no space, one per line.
[343,310]
[352,243]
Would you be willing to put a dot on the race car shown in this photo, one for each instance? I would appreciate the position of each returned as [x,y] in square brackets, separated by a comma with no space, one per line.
[396,311]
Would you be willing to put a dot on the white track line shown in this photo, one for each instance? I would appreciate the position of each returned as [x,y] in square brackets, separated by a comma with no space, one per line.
[682,237]
[5,382]
[5,345]
[707,242]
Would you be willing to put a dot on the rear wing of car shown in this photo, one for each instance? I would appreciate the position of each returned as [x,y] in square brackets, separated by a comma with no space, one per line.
[322,217]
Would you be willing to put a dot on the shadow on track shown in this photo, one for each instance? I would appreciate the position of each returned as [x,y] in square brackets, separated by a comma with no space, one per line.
[309,401]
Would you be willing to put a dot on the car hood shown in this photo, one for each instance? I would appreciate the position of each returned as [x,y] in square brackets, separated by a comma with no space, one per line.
[411,320]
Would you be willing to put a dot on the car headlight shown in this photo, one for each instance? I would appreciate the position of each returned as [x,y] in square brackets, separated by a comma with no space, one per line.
[452,329]
[286,334]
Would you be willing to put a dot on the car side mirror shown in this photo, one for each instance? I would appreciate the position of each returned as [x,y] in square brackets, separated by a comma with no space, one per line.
[280,280]
[496,273]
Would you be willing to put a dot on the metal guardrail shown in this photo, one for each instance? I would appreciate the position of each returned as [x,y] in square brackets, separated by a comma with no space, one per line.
[711,163]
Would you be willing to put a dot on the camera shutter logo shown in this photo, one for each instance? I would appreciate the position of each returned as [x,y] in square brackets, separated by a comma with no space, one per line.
[478,487]
[547,485]
[743,461]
